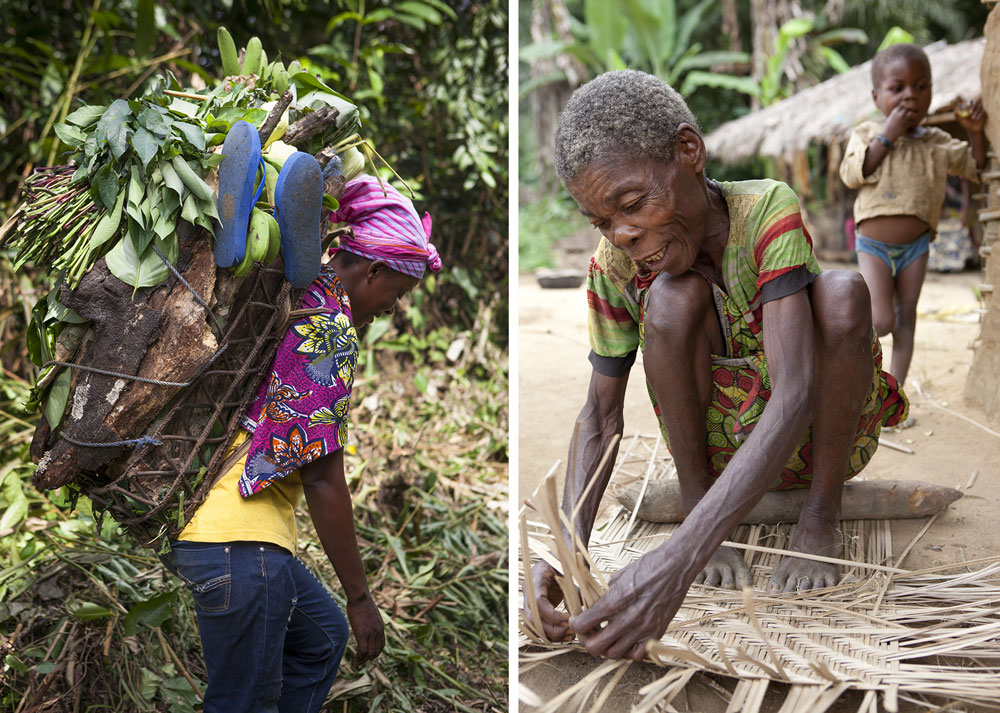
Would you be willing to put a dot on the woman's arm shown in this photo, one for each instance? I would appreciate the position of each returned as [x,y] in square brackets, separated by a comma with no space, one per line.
[645,595]
[329,501]
[601,419]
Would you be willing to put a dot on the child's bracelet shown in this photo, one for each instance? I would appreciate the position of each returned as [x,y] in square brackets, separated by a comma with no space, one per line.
[883,140]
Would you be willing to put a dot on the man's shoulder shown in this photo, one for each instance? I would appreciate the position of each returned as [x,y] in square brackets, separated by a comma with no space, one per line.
[755,204]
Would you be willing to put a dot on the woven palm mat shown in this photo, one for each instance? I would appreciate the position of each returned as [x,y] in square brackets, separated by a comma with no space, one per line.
[918,636]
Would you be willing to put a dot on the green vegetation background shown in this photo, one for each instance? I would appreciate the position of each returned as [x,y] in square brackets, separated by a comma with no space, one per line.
[91,622]
[686,43]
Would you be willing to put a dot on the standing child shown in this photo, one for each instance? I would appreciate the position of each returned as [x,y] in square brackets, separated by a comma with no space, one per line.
[900,169]
[271,634]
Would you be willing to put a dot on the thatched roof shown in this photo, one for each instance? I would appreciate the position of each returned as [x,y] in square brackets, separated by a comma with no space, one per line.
[830,110]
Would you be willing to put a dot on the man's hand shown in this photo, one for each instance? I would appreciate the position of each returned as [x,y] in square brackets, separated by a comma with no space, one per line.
[638,606]
[366,623]
[547,596]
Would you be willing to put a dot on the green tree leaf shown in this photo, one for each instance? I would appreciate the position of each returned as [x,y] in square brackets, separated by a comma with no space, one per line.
[193,134]
[70,135]
[607,26]
[109,224]
[112,127]
[88,611]
[105,184]
[137,269]
[156,120]
[86,115]
[145,144]
[421,10]
[151,612]
[55,402]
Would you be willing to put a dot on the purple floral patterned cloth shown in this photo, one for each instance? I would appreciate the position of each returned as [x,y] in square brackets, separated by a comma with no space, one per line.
[300,412]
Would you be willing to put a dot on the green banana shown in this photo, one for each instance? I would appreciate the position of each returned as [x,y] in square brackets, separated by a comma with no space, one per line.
[273,239]
[251,57]
[261,63]
[227,52]
[258,236]
[273,169]
[354,163]
[280,79]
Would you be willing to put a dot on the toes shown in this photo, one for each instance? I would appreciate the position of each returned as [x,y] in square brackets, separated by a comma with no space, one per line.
[713,578]
[777,583]
[700,578]
[727,579]
[742,579]
[803,584]
[790,585]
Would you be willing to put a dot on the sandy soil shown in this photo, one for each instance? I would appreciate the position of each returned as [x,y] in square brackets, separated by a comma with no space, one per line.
[554,373]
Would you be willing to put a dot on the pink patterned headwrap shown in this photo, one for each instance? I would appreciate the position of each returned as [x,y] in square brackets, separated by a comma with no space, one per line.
[386,227]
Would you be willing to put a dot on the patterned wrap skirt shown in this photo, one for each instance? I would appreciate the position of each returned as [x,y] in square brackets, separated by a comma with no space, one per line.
[740,391]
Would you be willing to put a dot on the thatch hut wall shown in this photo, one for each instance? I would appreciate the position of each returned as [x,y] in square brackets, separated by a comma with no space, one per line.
[826,114]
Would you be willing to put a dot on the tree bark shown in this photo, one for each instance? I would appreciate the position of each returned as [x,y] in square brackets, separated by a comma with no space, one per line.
[161,333]
[550,20]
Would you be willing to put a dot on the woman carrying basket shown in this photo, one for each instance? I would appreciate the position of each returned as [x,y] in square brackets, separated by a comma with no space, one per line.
[271,634]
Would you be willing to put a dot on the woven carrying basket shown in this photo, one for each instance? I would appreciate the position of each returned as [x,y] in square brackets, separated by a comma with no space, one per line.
[161,486]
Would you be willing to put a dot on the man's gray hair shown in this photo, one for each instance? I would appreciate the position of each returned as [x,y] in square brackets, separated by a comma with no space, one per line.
[623,112]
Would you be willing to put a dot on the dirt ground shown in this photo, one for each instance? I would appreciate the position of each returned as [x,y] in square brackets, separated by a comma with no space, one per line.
[948,450]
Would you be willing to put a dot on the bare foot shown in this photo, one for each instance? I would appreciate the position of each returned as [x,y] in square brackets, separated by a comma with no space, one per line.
[726,569]
[816,537]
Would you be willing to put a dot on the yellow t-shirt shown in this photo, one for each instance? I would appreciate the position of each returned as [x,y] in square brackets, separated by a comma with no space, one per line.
[911,178]
[267,516]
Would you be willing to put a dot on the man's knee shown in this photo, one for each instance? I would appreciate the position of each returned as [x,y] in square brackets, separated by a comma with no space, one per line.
[678,307]
[842,308]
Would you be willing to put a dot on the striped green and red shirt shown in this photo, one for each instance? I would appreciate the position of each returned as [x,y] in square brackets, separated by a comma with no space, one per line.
[769,255]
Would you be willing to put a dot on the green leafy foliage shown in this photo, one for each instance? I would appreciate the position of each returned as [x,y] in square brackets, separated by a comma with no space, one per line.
[430,79]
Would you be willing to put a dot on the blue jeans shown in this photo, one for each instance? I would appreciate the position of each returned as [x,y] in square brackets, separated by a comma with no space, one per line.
[896,256]
[271,634]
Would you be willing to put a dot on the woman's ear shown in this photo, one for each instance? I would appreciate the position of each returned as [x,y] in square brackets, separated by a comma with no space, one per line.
[375,268]
[689,147]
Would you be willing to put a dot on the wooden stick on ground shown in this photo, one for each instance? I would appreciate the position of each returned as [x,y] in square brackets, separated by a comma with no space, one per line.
[862,500]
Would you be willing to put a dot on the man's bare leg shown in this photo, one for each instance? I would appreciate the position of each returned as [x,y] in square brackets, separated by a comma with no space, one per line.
[842,318]
[679,344]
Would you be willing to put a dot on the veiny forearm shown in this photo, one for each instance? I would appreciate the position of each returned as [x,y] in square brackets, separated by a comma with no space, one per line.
[600,421]
[329,501]
[788,343]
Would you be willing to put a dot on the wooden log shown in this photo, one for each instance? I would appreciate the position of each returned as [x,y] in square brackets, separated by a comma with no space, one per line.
[161,333]
[862,500]
[310,126]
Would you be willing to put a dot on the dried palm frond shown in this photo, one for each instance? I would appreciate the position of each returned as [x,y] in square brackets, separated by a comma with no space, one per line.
[929,632]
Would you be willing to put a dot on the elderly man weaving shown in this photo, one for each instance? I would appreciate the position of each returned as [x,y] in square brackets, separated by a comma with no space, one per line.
[764,371]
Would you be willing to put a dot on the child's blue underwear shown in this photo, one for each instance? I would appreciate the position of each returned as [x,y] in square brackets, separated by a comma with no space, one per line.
[895,255]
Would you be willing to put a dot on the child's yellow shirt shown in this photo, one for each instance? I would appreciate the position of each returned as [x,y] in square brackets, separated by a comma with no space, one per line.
[267,516]
[911,179]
